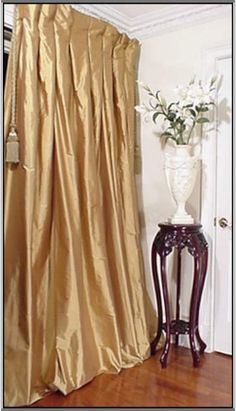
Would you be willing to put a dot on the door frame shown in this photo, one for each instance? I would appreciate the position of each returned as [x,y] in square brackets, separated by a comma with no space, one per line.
[208,198]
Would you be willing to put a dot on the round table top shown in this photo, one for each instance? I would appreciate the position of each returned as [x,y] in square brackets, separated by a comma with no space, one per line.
[180,227]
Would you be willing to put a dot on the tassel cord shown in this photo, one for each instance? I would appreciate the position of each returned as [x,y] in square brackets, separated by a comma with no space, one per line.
[12,142]
[13,78]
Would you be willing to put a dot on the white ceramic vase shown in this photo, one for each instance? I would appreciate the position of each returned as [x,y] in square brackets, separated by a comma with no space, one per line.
[181,172]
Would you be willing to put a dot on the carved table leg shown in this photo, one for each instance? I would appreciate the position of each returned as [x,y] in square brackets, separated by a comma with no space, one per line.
[158,298]
[166,348]
[201,285]
[193,310]
[178,291]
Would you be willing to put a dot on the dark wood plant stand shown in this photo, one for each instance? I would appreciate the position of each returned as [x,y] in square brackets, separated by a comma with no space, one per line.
[179,236]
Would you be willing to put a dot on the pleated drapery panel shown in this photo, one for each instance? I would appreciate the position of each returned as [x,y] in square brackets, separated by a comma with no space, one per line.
[75,295]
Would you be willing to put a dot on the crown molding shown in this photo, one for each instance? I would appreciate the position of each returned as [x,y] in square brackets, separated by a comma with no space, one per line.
[164,20]
[177,17]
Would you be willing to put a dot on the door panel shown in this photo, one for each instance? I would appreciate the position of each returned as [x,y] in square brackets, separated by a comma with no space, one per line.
[223,251]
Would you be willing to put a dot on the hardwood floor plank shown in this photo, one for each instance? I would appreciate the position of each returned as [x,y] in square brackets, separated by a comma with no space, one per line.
[147,385]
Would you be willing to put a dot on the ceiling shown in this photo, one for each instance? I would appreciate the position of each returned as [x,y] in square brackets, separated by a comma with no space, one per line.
[135,10]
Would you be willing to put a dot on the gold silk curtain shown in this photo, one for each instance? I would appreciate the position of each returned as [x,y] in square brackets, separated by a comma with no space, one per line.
[75,296]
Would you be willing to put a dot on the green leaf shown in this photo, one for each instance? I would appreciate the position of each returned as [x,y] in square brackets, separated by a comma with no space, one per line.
[213,80]
[170,105]
[192,112]
[158,91]
[155,115]
[188,105]
[171,116]
[202,109]
[154,106]
[192,80]
[181,142]
[202,120]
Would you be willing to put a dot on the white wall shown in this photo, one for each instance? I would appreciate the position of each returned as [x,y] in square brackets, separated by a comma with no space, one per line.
[165,61]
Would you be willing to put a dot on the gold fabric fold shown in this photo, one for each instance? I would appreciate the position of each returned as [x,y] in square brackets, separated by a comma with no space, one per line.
[75,295]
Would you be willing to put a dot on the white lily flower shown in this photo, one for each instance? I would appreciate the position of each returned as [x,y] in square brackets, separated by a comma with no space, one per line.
[185,97]
[179,112]
[185,101]
[187,112]
[141,109]
[182,114]
[174,107]
[181,91]
[145,112]
[199,94]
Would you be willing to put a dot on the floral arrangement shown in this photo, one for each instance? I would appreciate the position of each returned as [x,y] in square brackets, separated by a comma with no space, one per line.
[181,117]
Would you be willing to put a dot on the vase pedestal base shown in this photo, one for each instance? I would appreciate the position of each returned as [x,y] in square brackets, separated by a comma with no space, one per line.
[192,239]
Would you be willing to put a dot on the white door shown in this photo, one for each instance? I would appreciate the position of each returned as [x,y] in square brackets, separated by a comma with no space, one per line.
[223,221]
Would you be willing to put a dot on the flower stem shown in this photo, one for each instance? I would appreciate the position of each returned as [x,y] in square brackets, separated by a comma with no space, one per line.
[193,125]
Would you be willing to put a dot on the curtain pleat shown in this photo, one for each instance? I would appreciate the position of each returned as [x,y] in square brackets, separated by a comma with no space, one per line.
[75,295]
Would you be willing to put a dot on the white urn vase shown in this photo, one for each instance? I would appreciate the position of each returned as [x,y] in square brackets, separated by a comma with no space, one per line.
[181,171]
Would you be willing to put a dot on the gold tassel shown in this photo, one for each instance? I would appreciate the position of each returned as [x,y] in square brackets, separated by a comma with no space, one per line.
[12,147]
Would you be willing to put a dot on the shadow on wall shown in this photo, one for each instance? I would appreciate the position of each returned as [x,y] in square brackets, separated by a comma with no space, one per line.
[225,110]
[138,169]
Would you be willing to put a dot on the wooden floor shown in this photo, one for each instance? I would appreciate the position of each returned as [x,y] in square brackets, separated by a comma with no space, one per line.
[148,385]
